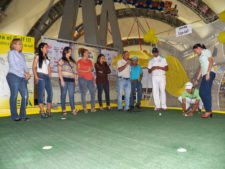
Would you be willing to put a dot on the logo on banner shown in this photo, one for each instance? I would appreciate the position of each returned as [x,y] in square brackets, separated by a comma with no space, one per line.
[183,30]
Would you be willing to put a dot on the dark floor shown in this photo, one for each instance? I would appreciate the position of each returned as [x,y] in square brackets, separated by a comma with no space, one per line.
[114,140]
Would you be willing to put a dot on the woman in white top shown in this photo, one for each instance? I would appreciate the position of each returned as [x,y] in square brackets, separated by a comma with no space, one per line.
[206,72]
[42,74]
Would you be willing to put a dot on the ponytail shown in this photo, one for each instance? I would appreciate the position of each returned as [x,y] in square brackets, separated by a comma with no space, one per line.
[198,45]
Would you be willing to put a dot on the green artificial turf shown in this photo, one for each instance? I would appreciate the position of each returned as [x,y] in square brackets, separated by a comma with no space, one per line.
[114,140]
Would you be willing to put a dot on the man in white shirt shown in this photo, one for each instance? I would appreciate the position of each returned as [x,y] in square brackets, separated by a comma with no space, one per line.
[157,67]
[123,67]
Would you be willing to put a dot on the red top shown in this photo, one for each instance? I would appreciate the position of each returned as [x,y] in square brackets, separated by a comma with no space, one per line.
[86,66]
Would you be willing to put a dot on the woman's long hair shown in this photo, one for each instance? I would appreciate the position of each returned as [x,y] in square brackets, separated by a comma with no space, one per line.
[198,45]
[64,58]
[40,54]
[98,58]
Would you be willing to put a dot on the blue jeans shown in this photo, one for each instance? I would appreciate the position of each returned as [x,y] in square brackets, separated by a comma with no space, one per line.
[84,86]
[205,91]
[44,83]
[124,85]
[70,87]
[100,88]
[17,84]
[136,87]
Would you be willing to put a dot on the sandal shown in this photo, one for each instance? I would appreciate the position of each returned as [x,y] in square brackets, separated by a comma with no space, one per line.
[85,111]
[75,111]
[43,115]
[48,113]
[64,114]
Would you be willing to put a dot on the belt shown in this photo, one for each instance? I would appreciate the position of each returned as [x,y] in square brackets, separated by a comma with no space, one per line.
[124,78]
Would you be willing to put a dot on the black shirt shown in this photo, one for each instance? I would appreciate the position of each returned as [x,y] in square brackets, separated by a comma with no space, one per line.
[102,71]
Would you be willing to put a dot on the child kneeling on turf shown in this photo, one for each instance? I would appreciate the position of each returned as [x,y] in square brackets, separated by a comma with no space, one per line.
[190,100]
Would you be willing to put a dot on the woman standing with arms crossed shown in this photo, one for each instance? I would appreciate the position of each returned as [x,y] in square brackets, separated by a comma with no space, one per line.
[17,78]
[86,79]
[42,73]
[102,71]
[206,71]
[66,69]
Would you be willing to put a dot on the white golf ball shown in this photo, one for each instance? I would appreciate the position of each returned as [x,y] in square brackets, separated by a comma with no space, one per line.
[160,114]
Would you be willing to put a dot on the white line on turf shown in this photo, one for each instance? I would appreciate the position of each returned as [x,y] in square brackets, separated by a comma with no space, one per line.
[47,147]
[182,150]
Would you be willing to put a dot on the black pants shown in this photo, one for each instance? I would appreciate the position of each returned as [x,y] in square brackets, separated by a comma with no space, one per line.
[100,88]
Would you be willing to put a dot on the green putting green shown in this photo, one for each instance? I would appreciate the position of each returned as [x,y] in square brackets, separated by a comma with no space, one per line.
[114,140]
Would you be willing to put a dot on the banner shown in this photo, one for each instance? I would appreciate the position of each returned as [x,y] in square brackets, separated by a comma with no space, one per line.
[28,51]
[56,47]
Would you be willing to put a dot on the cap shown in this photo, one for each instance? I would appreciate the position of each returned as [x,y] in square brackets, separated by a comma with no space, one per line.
[155,50]
[134,58]
[188,85]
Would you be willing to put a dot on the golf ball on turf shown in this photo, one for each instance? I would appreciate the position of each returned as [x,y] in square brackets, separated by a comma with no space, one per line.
[160,114]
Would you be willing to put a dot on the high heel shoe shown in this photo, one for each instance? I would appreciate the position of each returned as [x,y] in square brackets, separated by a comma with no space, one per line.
[207,115]
[43,115]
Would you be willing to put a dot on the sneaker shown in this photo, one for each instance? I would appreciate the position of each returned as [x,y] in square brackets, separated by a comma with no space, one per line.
[100,108]
[93,110]
[26,119]
[17,119]
[157,109]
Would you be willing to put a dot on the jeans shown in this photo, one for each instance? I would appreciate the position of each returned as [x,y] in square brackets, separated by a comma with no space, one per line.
[205,91]
[70,87]
[124,85]
[17,84]
[100,88]
[136,87]
[84,86]
[44,83]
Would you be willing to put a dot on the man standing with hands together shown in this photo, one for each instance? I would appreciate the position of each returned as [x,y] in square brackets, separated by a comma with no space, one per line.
[158,67]
[123,67]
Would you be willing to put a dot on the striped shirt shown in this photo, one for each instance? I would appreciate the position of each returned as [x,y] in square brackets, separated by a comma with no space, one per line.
[68,69]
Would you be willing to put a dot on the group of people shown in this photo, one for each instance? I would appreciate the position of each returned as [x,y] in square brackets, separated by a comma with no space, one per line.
[193,99]
[129,81]
[68,71]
